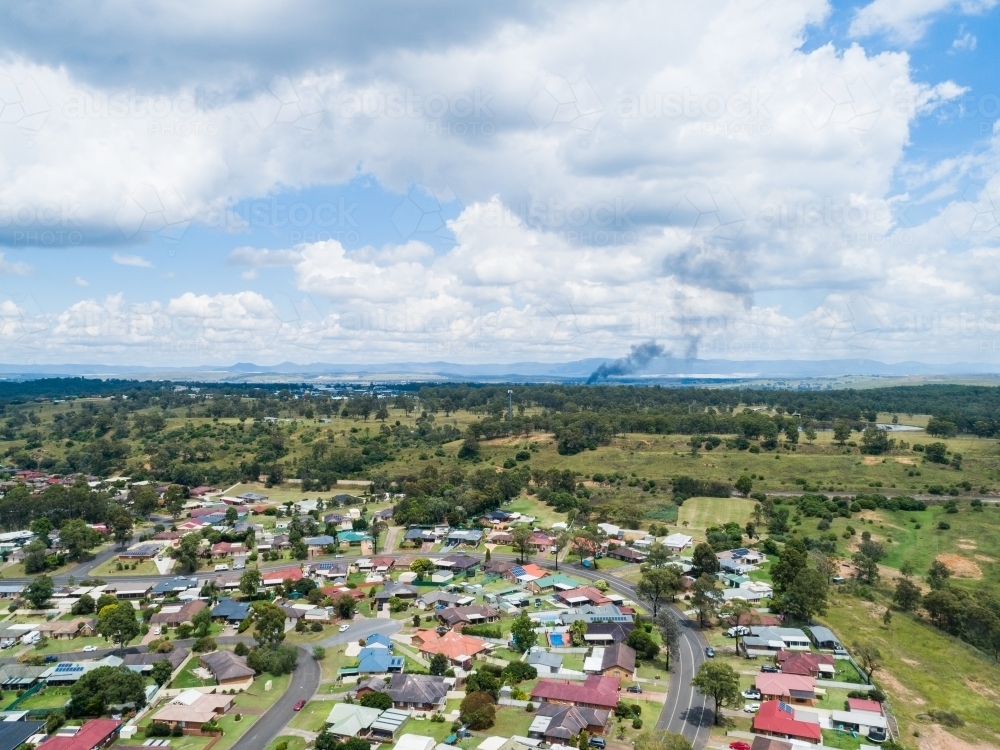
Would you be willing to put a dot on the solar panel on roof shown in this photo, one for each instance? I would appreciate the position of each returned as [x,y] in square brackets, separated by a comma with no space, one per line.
[782,706]
[517,571]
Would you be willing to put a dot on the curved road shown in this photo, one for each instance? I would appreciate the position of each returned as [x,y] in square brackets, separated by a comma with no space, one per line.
[684,712]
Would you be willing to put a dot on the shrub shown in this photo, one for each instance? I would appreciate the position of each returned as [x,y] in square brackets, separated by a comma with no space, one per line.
[241,649]
[530,707]
[177,731]
[158,729]
[316,627]
[203,645]
[381,701]
[944,525]
[637,723]
[478,710]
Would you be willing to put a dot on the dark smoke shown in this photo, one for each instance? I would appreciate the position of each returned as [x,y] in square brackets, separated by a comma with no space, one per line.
[638,358]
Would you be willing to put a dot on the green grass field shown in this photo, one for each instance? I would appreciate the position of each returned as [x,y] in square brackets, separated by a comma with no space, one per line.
[312,717]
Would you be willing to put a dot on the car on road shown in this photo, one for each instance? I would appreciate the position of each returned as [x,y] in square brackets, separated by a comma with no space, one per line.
[634,689]
[338,557]
[739,745]
[709,652]
[89,648]
[770,668]
[299,704]
[752,694]
[751,708]
[343,627]
[51,658]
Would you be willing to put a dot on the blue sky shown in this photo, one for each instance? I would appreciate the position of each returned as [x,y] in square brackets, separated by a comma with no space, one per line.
[297,181]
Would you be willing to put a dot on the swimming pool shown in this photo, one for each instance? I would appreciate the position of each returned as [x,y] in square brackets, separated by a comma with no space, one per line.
[556,639]
[545,617]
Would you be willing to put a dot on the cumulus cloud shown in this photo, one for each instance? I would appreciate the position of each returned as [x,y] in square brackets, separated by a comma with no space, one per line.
[908,21]
[13,267]
[136,261]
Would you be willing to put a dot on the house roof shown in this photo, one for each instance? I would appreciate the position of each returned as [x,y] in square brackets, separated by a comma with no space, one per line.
[627,553]
[563,722]
[770,743]
[863,704]
[802,663]
[282,574]
[226,665]
[347,719]
[617,631]
[619,655]
[822,634]
[597,690]
[545,659]
[557,581]
[409,688]
[782,684]
[231,610]
[475,613]
[396,589]
[378,661]
[459,562]
[778,718]
[378,639]
[451,644]
[14,733]
[194,707]
[92,734]
[183,613]
[583,594]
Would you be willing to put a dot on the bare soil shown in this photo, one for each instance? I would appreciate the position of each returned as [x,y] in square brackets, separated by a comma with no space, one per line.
[960,567]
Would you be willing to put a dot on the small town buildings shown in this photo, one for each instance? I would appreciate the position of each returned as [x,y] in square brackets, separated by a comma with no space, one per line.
[599,633]
[143,663]
[582,595]
[227,668]
[65,629]
[617,660]
[545,662]
[351,720]
[559,724]
[96,733]
[173,615]
[824,638]
[419,692]
[790,688]
[807,664]
[192,708]
[460,649]
[779,719]
[556,582]
[477,614]
[596,691]
[278,577]
[767,640]
[626,554]
[230,611]
[379,660]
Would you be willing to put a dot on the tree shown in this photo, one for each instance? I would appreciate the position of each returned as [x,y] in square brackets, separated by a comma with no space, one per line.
[78,538]
[867,558]
[705,598]
[173,501]
[100,688]
[658,555]
[162,672]
[422,566]
[143,499]
[202,622]
[35,557]
[117,623]
[887,617]
[84,605]
[810,433]
[937,575]
[806,597]
[250,581]
[719,682]
[522,541]
[478,710]
[744,485]
[41,527]
[578,632]
[869,656]
[661,740]
[704,560]
[656,584]
[232,515]
[344,605]
[793,559]
[269,625]
[186,553]
[39,591]
[523,632]
[105,600]
[559,542]
[381,701]
[438,664]
[907,595]
[670,633]
[841,431]
[642,642]
[121,523]
[319,653]
[875,441]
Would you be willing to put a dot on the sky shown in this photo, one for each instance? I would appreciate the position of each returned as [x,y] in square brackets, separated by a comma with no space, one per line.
[190,184]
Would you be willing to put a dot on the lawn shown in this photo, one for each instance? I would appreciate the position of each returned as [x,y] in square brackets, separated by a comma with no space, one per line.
[109,569]
[63,645]
[427,728]
[840,740]
[188,742]
[17,570]
[51,697]
[512,720]
[544,515]
[312,717]
[186,677]
[291,741]
[698,513]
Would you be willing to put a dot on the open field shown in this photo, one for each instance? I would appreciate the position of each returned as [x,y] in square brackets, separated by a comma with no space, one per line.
[698,513]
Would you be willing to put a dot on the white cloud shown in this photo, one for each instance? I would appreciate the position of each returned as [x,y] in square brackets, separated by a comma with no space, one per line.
[80,281]
[131,260]
[14,267]
[965,43]
[907,20]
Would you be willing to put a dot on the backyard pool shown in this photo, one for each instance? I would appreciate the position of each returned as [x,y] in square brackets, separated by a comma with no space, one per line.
[556,640]
[544,616]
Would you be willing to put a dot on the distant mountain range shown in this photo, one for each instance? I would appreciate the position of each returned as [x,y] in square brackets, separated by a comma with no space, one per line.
[665,370]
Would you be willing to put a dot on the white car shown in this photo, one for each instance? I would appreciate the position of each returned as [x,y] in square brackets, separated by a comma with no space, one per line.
[752,694]
[89,648]
[752,708]
[343,627]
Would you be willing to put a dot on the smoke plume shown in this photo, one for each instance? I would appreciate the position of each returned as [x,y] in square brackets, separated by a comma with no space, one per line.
[638,358]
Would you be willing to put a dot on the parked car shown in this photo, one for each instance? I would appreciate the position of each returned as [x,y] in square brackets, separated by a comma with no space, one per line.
[343,627]
[597,742]
[752,694]
[538,602]
[89,648]
[838,579]
[51,658]
[739,745]
[737,631]
[634,689]
[769,668]
[709,652]
[751,708]
[299,704]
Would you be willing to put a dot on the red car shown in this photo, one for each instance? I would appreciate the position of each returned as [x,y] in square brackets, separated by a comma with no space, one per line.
[739,745]
[300,703]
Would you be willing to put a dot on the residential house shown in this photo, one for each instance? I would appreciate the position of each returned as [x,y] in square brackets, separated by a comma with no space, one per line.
[500,536]
[614,661]
[790,688]
[559,724]
[806,664]
[316,545]
[383,565]
[556,582]
[141,552]
[769,743]
[872,725]
[20,676]
[227,667]
[68,672]
[767,640]
[524,573]
[13,734]
[627,554]
[96,733]
[351,720]
[458,563]
[582,595]
[779,719]
[545,662]
[468,537]
[438,599]
[173,615]
[457,618]
[460,649]
[824,638]
[143,663]
[541,541]
[590,613]
[174,587]
[417,691]
[496,517]
[278,577]
[597,691]
[228,549]
[398,590]
[500,568]
[230,611]
[419,536]
[864,704]
[65,629]
[378,640]
[379,661]
[608,632]
[192,708]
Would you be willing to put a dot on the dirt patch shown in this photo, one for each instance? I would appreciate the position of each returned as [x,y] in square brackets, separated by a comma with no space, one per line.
[984,558]
[981,689]
[871,460]
[906,461]
[960,567]
[911,662]
[967,544]
[933,737]
[887,680]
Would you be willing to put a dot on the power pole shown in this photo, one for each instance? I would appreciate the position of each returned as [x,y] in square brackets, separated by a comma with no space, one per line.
[510,405]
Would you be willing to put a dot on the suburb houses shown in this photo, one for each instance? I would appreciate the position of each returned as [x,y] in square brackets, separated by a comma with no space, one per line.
[597,691]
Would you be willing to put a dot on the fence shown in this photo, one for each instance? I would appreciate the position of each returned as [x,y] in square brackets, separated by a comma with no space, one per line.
[34,689]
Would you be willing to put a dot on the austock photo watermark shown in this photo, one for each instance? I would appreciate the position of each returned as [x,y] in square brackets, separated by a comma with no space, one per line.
[53,223]
[182,114]
[743,113]
[442,114]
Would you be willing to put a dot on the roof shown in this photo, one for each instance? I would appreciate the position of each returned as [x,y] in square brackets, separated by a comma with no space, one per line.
[282,574]
[231,610]
[863,704]
[347,720]
[409,688]
[778,717]
[564,722]
[92,734]
[396,589]
[582,594]
[782,684]
[149,658]
[545,659]
[226,665]
[597,690]
[13,733]
[803,663]
[617,631]
[194,706]
[378,639]
[770,743]
[821,634]
[620,656]
[557,581]
[183,613]
[378,661]
[475,613]
[452,644]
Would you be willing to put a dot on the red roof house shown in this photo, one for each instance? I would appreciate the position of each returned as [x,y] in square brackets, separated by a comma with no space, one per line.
[803,663]
[583,595]
[277,577]
[777,719]
[863,704]
[94,734]
[792,688]
[597,691]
